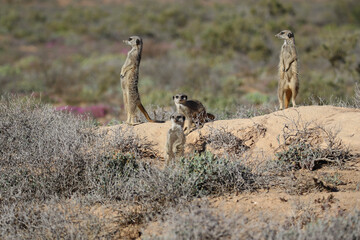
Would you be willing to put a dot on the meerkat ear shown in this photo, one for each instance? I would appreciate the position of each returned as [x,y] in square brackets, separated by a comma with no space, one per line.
[137,41]
[173,97]
[290,35]
[183,118]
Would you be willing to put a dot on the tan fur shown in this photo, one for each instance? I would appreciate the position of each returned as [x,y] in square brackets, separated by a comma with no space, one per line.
[129,80]
[288,87]
[175,138]
[193,110]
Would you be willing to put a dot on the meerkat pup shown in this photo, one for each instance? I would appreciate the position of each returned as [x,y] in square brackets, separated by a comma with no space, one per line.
[129,80]
[193,110]
[288,87]
[175,138]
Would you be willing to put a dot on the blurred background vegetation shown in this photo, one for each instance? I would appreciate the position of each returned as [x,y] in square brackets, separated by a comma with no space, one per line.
[70,52]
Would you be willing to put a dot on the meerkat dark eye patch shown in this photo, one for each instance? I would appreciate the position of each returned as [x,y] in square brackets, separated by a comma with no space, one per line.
[177,97]
[130,38]
[282,33]
[183,118]
[137,41]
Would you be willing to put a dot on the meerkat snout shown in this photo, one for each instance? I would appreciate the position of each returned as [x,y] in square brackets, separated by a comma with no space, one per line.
[133,41]
[180,98]
[285,34]
[178,118]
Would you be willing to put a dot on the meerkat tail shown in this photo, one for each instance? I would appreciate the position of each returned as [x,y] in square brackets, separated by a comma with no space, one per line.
[210,116]
[142,109]
[288,94]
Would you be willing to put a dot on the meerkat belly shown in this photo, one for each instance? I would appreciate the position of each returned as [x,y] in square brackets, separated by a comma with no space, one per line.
[293,68]
[127,78]
[287,86]
[133,90]
[178,145]
[291,73]
[183,110]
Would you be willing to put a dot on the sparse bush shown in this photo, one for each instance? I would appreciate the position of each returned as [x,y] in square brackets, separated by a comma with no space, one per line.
[301,146]
[49,153]
[215,175]
[344,227]
[245,111]
[106,176]
[42,151]
[123,140]
[200,222]
[221,139]
[201,175]
[52,219]
[333,179]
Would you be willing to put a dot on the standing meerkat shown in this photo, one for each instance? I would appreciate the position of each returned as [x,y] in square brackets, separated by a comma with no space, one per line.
[288,87]
[193,110]
[175,138]
[129,80]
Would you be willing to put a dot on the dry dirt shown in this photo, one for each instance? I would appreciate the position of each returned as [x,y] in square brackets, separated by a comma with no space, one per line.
[263,135]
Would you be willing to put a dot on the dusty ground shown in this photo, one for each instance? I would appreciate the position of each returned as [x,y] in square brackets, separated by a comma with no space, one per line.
[263,135]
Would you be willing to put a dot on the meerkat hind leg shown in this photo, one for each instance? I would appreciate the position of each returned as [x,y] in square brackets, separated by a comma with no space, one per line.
[132,115]
[126,106]
[281,99]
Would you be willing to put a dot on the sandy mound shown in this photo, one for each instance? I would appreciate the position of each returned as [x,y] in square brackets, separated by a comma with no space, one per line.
[300,194]
[263,134]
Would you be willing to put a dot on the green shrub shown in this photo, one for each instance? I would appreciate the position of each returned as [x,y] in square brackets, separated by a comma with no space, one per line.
[106,176]
[193,177]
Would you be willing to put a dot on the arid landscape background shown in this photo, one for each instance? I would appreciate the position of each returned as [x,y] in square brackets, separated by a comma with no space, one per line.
[70,169]
[225,54]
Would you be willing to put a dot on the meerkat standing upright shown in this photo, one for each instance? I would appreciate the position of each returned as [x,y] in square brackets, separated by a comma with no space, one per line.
[288,87]
[175,138]
[129,80]
[193,110]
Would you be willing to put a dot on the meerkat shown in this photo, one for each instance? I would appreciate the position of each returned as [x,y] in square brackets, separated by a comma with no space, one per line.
[129,80]
[288,86]
[193,110]
[175,138]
